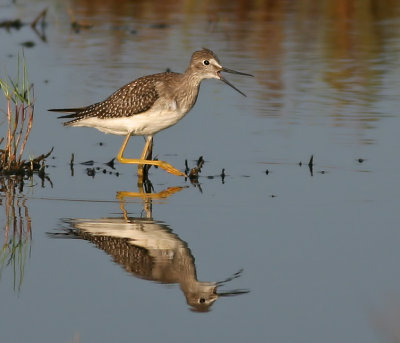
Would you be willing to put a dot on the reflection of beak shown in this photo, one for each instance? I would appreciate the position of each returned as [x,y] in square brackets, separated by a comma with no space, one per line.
[234,276]
[232,292]
[232,72]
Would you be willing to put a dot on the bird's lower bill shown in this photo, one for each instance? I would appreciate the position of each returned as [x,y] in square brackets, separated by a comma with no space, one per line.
[228,83]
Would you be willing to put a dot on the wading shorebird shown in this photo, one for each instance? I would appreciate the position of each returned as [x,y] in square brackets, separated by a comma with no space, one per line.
[150,104]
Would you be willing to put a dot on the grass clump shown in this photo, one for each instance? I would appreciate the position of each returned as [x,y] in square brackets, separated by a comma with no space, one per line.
[19,112]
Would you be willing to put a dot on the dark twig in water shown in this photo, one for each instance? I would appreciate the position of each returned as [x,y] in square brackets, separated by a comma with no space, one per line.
[311,161]
[200,162]
[311,165]
[17,24]
[110,163]
[41,17]
[88,163]
[71,164]
[223,175]
[187,170]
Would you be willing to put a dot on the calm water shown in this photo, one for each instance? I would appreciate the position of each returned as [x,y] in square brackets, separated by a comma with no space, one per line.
[269,253]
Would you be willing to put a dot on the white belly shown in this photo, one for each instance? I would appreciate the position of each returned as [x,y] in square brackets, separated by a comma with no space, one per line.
[143,124]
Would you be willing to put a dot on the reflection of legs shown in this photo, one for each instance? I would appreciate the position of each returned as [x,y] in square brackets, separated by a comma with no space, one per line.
[141,194]
[164,165]
[147,198]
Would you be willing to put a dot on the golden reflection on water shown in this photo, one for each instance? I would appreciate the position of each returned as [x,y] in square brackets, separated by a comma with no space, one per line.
[330,55]
[149,249]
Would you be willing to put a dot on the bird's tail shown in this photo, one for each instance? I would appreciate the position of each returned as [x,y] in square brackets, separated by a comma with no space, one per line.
[73,112]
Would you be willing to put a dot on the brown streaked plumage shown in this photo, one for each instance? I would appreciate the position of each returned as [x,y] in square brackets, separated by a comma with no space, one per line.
[150,104]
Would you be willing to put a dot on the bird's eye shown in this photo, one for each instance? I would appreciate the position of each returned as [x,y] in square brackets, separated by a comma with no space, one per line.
[202,300]
[206,62]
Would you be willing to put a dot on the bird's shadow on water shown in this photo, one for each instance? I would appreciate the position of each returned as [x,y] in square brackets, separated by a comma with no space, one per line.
[147,248]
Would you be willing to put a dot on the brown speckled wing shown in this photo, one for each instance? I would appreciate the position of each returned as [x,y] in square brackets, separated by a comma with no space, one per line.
[134,98]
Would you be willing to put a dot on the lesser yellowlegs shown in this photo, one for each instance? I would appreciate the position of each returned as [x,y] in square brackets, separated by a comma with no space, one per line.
[150,104]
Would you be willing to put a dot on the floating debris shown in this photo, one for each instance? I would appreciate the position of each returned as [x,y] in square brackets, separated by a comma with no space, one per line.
[91,172]
[194,172]
[11,24]
[28,44]
[76,25]
[23,168]
[159,26]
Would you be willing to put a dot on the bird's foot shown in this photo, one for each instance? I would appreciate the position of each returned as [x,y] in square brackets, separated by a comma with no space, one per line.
[169,168]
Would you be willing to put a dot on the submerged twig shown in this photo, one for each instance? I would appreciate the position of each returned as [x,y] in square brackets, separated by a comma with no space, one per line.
[42,16]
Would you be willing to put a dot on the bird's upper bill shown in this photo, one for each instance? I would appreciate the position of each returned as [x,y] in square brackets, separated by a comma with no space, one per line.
[223,69]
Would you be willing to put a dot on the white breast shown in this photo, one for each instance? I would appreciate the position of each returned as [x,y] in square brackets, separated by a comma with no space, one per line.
[147,123]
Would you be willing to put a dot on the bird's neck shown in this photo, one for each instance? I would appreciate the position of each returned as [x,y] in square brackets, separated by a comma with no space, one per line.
[186,93]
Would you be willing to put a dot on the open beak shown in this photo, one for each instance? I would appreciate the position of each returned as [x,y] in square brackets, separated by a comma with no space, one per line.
[232,72]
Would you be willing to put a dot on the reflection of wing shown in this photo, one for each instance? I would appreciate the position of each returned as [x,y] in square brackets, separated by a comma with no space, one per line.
[143,247]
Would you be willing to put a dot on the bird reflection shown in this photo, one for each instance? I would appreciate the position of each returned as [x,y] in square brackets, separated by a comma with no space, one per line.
[149,249]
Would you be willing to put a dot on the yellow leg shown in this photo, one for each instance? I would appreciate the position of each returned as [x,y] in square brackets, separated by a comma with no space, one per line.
[146,155]
[164,165]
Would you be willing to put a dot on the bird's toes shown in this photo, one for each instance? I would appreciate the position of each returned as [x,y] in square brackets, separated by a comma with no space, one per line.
[170,169]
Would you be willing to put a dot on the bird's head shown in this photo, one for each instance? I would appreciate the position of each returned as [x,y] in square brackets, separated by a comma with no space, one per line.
[206,65]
